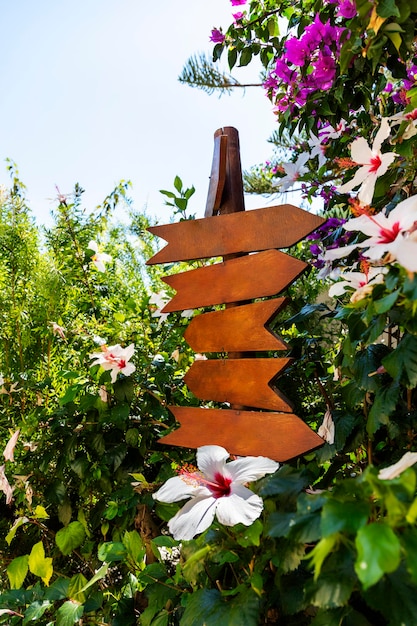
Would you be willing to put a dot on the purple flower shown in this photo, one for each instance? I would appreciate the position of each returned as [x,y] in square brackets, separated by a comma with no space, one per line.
[315,250]
[297,50]
[347,9]
[325,71]
[283,71]
[217,36]
[238,16]
[236,3]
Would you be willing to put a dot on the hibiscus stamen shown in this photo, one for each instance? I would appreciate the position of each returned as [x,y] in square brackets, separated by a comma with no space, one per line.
[192,476]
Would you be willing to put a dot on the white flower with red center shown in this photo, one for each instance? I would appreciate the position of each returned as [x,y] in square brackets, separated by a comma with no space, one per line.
[99,258]
[216,488]
[386,232]
[362,283]
[293,171]
[374,164]
[115,359]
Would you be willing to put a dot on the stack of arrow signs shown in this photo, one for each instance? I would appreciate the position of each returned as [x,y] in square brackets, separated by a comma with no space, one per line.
[258,270]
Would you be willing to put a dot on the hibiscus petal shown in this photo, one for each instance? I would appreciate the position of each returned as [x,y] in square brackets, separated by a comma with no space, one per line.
[129,351]
[211,460]
[382,134]
[406,461]
[176,488]
[358,178]
[405,213]
[366,192]
[360,152]
[406,254]
[250,468]
[339,253]
[370,226]
[8,451]
[128,369]
[242,507]
[194,518]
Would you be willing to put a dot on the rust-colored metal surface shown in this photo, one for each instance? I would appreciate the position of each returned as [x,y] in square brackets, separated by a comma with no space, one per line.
[218,173]
[252,268]
[260,229]
[279,436]
[251,276]
[239,381]
[241,328]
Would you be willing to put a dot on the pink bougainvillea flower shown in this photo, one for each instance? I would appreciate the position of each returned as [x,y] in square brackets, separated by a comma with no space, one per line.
[406,461]
[8,451]
[216,488]
[236,3]
[217,36]
[346,9]
[99,258]
[5,486]
[361,282]
[373,162]
[116,359]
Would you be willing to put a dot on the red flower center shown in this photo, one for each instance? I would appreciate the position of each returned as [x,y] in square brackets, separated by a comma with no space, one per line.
[388,235]
[375,164]
[221,487]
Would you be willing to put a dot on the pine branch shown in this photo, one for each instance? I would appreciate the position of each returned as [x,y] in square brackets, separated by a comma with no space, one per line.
[200,71]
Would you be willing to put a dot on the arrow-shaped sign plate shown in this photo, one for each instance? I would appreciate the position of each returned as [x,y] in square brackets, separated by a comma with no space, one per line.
[278,436]
[239,381]
[241,328]
[247,277]
[261,229]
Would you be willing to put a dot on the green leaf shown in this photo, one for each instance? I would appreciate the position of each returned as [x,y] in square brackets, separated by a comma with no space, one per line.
[251,535]
[17,570]
[69,538]
[58,590]
[178,184]
[40,565]
[19,522]
[379,552]
[135,547]
[344,516]
[286,482]
[401,363]
[208,608]
[409,542]
[112,551]
[99,575]
[386,303]
[387,8]
[385,401]
[35,611]
[394,597]
[321,551]
[76,588]
[69,613]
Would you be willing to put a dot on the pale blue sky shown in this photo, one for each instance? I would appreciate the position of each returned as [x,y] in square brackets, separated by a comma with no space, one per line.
[90,95]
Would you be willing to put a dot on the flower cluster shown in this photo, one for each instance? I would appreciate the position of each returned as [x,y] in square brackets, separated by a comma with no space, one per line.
[307,66]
